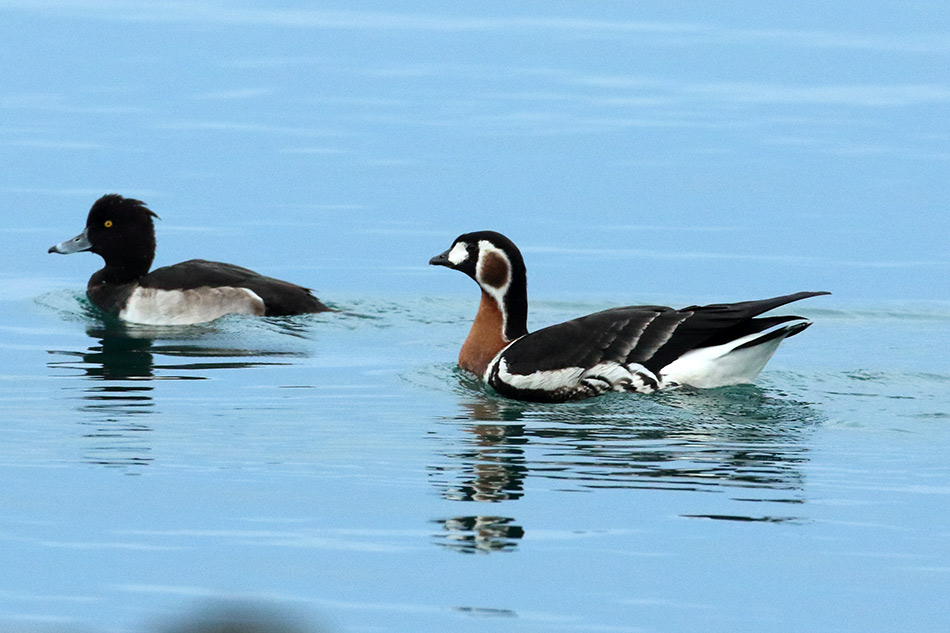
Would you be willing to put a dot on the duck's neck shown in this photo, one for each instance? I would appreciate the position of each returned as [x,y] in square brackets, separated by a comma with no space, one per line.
[492,330]
[129,258]
[127,271]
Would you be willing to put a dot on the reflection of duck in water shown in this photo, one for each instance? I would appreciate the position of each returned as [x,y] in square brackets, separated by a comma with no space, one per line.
[119,396]
[122,369]
[635,348]
[118,358]
[125,353]
[121,231]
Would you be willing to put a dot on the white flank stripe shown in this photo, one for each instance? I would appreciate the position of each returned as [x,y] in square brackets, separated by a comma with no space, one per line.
[619,377]
[550,380]
[498,294]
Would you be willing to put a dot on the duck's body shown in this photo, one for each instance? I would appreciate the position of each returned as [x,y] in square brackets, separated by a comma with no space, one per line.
[634,348]
[122,232]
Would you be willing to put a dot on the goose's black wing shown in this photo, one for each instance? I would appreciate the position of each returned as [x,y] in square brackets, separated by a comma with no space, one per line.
[716,324]
[280,297]
[649,336]
[618,334]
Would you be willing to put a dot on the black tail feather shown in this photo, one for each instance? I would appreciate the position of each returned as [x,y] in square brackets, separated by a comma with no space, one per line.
[785,332]
[720,323]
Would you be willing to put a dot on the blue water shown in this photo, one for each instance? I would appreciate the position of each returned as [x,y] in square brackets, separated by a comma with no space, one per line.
[336,472]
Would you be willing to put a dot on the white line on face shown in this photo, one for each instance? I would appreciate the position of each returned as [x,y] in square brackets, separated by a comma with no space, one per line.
[459,253]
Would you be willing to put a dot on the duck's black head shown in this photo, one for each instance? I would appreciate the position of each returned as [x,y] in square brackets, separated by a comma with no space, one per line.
[121,231]
[496,264]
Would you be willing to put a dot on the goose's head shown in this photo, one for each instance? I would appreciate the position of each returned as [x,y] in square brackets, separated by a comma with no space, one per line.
[496,265]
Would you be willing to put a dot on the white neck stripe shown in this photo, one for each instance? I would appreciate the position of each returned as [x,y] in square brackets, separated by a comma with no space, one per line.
[498,294]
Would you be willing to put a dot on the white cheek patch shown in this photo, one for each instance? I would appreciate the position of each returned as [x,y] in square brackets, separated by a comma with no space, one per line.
[459,253]
[150,306]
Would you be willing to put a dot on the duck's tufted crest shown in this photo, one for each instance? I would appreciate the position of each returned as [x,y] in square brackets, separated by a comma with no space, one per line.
[122,231]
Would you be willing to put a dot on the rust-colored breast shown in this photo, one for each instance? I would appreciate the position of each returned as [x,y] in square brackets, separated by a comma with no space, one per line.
[485,339]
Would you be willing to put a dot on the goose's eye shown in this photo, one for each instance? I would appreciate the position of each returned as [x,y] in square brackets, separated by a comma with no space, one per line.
[107,224]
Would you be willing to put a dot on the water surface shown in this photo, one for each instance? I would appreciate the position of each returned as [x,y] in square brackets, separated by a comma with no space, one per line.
[338,466]
[336,472]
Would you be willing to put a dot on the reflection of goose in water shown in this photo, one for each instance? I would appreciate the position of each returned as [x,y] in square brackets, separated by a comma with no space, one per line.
[479,534]
[744,441]
[494,455]
[493,471]
[123,367]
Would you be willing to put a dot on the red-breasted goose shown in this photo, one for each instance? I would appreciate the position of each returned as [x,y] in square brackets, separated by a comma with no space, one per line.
[634,348]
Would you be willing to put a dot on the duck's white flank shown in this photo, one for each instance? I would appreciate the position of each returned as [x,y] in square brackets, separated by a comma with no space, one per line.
[150,306]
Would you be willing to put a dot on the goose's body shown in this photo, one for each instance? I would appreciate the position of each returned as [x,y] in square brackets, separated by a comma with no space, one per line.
[634,348]
[121,231]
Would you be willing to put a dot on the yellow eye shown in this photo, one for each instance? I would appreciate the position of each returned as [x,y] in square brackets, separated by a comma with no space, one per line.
[107,224]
